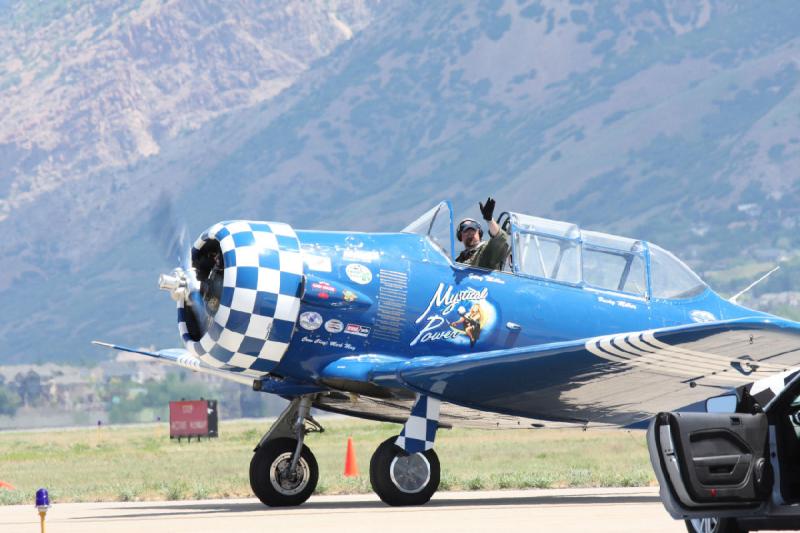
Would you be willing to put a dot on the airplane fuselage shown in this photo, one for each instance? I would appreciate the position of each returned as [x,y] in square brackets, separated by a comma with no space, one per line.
[397,294]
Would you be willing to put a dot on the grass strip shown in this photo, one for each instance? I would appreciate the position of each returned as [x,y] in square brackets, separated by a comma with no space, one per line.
[136,463]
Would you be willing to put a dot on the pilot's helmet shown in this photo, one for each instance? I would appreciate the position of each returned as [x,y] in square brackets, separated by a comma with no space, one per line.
[466,224]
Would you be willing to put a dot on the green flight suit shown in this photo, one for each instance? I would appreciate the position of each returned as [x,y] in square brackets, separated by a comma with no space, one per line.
[488,254]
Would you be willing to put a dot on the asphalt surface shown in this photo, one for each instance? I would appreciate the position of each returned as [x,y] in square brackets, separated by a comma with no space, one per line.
[568,510]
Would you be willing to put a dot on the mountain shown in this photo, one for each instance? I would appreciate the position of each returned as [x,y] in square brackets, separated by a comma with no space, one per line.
[88,89]
[666,120]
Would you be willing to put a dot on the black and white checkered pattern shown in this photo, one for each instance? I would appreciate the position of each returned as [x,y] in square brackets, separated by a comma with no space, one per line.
[260,301]
[767,389]
[419,431]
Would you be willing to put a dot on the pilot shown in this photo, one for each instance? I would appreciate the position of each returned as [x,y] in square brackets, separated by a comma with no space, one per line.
[489,254]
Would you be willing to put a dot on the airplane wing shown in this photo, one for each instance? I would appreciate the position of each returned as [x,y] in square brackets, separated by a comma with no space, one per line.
[616,379]
[183,359]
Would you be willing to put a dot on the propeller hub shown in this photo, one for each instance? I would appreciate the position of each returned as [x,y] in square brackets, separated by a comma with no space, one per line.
[176,283]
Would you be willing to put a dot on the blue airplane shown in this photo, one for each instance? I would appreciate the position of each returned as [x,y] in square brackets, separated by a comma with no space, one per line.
[579,328]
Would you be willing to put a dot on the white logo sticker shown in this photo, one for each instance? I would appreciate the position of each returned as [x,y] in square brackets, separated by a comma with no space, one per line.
[310,320]
[334,326]
[319,263]
[365,256]
[702,316]
[358,273]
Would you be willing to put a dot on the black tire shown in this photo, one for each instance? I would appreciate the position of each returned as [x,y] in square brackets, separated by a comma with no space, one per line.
[414,486]
[713,525]
[268,474]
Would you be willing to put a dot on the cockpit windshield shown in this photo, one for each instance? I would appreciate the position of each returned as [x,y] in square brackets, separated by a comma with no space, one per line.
[560,251]
[670,277]
[437,224]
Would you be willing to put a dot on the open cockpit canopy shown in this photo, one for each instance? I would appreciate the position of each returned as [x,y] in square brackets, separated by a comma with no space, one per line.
[562,252]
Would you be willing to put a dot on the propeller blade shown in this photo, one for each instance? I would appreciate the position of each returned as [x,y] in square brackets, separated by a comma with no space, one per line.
[169,232]
[171,235]
[195,299]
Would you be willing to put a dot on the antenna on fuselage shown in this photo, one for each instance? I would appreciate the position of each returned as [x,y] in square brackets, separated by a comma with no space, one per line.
[735,297]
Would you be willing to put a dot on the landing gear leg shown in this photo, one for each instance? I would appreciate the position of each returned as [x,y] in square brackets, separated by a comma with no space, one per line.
[404,470]
[283,471]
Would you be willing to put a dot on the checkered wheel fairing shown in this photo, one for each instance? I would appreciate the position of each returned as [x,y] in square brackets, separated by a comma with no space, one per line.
[419,431]
[260,300]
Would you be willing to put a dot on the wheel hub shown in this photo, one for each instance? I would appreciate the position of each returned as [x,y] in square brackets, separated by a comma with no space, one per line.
[285,481]
[410,473]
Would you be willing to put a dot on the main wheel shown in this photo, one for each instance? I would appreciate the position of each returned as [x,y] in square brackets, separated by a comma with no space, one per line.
[402,479]
[271,480]
[713,525]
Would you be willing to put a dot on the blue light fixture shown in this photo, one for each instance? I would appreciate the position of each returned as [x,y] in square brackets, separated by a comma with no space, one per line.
[42,500]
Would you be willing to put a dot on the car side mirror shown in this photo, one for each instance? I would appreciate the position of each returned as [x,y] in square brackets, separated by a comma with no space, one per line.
[722,404]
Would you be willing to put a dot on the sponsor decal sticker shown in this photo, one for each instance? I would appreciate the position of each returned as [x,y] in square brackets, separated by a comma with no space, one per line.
[323,286]
[349,296]
[334,326]
[454,315]
[357,329]
[363,256]
[358,273]
[310,320]
[323,289]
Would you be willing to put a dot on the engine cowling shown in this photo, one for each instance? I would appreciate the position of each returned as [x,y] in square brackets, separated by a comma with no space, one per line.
[251,282]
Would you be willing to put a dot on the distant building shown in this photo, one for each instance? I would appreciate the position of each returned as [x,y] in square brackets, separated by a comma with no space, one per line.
[74,391]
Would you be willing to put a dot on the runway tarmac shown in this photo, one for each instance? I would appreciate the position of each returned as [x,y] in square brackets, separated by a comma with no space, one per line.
[563,510]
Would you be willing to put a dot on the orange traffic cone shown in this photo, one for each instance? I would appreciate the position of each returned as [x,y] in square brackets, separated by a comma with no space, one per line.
[350,466]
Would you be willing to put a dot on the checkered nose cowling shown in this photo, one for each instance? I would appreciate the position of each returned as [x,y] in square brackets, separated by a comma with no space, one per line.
[252,310]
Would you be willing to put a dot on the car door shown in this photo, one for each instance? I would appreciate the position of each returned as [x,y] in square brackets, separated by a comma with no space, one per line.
[711,463]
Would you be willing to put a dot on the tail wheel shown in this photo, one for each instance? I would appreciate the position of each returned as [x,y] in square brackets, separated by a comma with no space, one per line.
[713,525]
[270,476]
[399,478]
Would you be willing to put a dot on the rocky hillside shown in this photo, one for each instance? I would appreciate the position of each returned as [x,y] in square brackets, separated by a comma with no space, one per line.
[666,120]
[91,87]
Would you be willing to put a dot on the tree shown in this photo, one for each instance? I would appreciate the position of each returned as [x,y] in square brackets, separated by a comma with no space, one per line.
[29,387]
[9,401]
[156,396]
